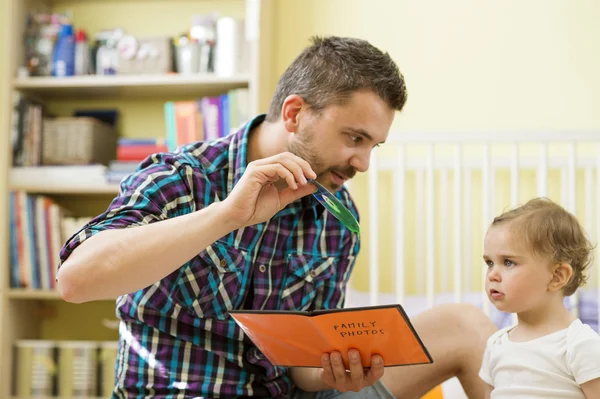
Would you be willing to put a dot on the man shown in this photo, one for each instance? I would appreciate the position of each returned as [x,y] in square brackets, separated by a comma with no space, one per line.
[230,224]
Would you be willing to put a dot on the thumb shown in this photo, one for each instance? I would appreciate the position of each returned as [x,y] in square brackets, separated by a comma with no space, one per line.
[289,195]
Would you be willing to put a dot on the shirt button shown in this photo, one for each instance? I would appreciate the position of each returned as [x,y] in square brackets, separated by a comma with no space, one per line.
[312,273]
[262,268]
[223,263]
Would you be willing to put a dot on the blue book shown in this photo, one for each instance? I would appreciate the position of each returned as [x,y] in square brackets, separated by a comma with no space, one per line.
[14,246]
[124,141]
[35,261]
[170,125]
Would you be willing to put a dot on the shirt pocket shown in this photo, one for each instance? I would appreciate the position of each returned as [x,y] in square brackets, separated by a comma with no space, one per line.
[211,283]
[306,276]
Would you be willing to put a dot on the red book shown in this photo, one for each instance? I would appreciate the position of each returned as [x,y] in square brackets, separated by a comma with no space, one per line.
[138,152]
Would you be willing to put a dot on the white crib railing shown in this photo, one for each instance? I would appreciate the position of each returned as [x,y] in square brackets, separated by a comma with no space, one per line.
[465,154]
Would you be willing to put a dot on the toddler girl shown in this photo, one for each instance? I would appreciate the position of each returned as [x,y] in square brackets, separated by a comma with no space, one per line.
[536,255]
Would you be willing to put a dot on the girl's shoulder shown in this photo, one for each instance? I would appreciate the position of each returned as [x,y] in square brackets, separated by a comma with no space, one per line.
[578,332]
[583,352]
[499,336]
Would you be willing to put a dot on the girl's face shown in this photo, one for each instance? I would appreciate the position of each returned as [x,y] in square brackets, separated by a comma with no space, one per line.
[516,281]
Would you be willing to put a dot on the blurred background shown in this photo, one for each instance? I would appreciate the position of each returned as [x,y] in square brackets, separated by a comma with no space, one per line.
[503,105]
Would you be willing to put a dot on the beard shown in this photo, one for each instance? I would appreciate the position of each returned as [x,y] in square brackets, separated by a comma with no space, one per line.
[306,148]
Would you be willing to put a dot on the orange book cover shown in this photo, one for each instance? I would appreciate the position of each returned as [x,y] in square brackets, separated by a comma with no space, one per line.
[298,339]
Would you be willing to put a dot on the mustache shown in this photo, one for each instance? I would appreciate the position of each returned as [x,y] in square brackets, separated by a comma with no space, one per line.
[348,172]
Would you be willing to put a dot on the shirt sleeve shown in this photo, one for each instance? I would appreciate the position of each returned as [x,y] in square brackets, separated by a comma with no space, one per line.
[161,188]
[484,371]
[583,353]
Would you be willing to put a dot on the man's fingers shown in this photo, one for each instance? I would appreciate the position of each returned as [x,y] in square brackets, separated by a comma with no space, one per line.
[357,373]
[277,171]
[296,169]
[327,375]
[339,372]
[375,371]
[289,195]
[335,375]
[306,168]
[286,158]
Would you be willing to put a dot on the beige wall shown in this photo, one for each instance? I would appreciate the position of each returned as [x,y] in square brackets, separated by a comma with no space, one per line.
[470,65]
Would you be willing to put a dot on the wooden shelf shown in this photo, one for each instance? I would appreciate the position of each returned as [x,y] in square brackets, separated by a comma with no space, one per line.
[66,188]
[129,85]
[31,294]
[51,397]
[26,293]
[61,180]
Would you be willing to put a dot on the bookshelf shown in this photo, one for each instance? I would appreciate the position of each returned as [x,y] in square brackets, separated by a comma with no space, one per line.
[42,314]
[49,180]
[21,293]
[161,86]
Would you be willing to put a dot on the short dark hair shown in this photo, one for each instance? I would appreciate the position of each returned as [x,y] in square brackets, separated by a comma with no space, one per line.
[333,68]
[552,233]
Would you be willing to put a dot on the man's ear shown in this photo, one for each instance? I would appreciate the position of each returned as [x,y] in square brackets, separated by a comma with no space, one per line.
[290,110]
[560,277]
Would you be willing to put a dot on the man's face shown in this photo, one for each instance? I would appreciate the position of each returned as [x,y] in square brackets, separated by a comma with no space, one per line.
[337,141]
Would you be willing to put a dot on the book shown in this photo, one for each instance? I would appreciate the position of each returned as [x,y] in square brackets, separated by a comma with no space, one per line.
[299,339]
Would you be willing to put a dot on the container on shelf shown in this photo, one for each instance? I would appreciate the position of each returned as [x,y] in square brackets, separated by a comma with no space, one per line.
[107,364]
[36,365]
[77,368]
[78,141]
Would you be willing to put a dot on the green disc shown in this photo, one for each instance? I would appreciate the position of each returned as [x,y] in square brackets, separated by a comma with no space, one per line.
[334,206]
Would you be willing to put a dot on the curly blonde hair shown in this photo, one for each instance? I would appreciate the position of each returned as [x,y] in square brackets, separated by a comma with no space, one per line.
[554,234]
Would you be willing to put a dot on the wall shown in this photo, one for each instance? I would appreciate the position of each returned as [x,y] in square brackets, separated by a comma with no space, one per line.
[469,65]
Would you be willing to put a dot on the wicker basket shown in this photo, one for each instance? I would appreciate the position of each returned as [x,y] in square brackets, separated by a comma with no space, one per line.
[77,141]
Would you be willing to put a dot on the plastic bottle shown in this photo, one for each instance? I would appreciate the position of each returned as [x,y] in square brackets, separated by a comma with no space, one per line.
[82,54]
[64,52]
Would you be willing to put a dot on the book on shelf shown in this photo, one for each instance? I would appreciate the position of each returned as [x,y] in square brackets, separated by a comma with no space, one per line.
[136,150]
[38,227]
[205,119]
[299,339]
[26,131]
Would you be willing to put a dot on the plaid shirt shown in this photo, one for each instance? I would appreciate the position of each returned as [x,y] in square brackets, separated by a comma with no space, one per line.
[176,338]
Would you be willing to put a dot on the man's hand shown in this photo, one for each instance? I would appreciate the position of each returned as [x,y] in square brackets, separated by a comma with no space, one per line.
[255,198]
[334,373]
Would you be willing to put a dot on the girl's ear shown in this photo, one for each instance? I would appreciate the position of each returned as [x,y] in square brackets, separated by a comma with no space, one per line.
[560,277]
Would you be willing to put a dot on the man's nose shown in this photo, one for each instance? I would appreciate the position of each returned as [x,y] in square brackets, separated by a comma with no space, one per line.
[360,161]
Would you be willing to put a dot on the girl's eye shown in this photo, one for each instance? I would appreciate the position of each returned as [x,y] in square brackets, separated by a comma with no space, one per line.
[489,263]
[356,139]
[508,263]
